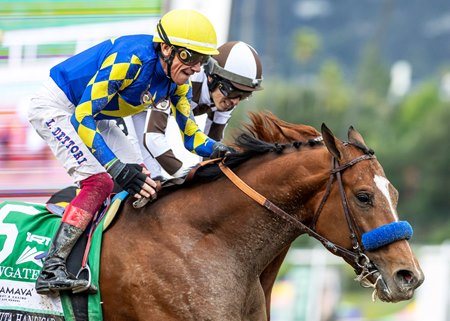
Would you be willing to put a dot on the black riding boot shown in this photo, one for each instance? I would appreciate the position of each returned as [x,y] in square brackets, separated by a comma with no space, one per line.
[54,275]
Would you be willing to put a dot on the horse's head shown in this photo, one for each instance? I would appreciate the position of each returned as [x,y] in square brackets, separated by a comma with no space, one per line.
[366,228]
[333,190]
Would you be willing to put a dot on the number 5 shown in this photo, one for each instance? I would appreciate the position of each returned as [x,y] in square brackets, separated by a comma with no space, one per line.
[9,229]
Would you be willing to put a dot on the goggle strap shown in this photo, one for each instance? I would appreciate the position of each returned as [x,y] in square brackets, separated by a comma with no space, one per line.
[162,33]
[214,68]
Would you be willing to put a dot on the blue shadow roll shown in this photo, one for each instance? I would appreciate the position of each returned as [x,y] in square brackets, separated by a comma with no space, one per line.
[387,234]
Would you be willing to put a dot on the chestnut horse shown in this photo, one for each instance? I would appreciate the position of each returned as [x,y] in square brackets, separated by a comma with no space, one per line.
[198,253]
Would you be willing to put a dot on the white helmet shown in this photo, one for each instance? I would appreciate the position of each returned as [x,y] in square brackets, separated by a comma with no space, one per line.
[239,63]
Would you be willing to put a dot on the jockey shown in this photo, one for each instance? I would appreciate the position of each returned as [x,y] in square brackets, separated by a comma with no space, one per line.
[228,78]
[76,108]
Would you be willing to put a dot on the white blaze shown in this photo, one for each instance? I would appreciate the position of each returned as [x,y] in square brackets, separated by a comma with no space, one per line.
[383,184]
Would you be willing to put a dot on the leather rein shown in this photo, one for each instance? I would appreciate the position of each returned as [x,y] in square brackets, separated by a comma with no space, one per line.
[356,254]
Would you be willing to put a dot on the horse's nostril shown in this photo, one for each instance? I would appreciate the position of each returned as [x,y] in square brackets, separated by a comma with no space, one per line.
[406,278]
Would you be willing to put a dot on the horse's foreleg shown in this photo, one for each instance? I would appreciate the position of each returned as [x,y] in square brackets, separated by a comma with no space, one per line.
[269,275]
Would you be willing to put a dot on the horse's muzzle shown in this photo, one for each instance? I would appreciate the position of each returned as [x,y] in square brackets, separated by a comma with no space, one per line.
[400,287]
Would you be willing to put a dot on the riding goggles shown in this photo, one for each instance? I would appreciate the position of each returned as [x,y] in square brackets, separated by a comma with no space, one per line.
[231,92]
[189,57]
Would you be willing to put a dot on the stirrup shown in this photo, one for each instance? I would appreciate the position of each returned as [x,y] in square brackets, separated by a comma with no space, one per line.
[90,288]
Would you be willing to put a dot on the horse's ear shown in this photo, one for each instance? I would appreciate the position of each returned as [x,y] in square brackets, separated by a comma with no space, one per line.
[330,141]
[355,137]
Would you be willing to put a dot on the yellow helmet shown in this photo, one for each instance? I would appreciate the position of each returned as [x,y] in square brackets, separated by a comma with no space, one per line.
[189,29]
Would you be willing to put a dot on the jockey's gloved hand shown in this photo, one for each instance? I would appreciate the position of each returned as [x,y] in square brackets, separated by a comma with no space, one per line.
[127,176]
[220,150]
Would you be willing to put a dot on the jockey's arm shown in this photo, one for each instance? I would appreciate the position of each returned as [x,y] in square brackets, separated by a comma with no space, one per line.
[95,98]
[155,141]
[194,139]
[216,122]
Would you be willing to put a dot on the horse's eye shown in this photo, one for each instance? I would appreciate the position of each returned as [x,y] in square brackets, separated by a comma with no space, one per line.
[364,198]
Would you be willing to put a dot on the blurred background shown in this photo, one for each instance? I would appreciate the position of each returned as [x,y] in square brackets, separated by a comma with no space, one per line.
[382,66]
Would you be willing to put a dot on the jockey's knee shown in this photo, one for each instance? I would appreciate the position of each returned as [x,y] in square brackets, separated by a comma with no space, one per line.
[93,192]
[101,183]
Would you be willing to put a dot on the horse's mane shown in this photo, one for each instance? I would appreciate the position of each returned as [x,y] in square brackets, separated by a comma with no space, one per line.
[266,133]
[249,147]
[268,127]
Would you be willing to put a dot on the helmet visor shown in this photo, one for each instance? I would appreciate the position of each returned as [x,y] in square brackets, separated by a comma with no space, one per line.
[213,68]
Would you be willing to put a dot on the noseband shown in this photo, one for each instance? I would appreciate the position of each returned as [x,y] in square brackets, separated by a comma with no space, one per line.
[372,240]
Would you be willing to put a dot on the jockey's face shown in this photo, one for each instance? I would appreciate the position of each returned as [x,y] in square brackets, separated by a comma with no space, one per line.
[179,72]
[223,103]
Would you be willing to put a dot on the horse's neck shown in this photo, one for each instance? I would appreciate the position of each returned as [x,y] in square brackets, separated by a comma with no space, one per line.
[261,238]
[258,235]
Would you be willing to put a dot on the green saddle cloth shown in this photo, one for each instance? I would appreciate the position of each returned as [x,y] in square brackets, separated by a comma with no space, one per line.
[26,231]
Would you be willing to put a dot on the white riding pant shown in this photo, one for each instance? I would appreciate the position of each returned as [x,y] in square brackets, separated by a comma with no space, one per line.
[50,112]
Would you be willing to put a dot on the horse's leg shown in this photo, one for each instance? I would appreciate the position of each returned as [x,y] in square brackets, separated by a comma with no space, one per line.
[269,275]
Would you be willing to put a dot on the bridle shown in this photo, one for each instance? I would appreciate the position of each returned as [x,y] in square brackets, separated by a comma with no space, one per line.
[336,170]
[363,266]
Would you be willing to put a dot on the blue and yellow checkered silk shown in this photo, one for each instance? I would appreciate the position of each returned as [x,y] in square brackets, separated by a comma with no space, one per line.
[108,80]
